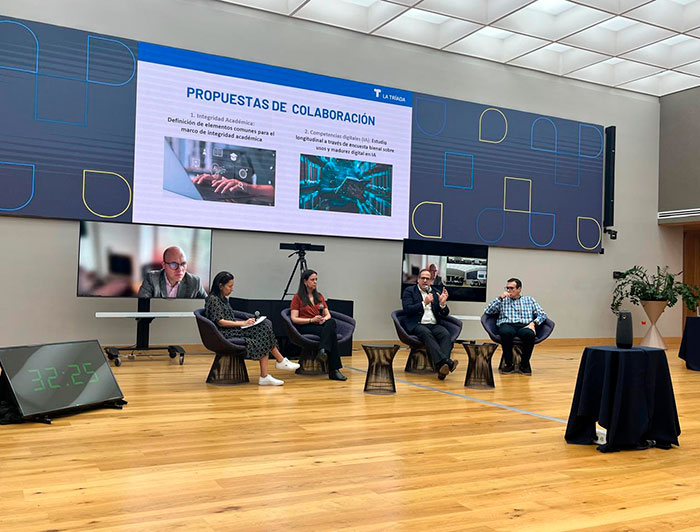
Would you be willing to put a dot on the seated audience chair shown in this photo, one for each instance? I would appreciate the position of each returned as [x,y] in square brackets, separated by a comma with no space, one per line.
[418,359]
[542,332]
[345,327]
[229,366]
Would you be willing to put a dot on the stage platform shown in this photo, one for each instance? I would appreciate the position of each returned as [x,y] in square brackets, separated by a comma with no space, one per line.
[317,455]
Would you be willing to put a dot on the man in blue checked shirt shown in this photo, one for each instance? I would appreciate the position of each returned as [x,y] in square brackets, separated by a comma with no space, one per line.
[517,316]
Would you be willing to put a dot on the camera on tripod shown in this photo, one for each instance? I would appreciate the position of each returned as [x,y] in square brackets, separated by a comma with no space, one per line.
[299,249]
[302,246]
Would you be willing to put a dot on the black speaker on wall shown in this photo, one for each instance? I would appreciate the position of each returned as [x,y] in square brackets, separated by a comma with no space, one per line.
[624,335]
[609,186]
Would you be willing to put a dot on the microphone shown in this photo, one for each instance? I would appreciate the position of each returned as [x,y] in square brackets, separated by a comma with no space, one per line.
[257,315]
[320,309]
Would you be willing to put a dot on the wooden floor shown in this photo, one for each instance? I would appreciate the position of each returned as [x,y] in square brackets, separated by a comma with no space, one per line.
[322,455]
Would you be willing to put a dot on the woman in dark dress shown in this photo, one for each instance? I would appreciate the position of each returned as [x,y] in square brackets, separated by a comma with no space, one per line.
[260,340]
[310,314]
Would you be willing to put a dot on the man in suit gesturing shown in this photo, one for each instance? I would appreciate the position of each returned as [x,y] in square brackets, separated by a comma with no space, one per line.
[424,307]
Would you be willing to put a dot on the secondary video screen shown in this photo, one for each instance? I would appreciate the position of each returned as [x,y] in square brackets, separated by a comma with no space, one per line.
[461,268]
[342,185]
[127,260]
[212,171]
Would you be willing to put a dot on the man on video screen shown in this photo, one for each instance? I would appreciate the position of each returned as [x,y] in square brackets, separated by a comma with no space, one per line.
[172,280]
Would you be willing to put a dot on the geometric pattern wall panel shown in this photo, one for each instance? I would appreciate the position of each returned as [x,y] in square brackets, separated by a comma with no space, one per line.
[486,175]
[68,106]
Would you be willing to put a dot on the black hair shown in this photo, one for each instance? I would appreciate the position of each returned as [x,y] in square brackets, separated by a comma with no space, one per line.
[515,280]
[303,292]
[220,279]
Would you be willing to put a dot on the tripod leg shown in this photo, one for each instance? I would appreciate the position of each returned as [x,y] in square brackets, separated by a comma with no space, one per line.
[296,265]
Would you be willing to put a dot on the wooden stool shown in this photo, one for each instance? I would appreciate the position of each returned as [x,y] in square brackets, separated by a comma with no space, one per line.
[228,369]
[479,371]
[380,372]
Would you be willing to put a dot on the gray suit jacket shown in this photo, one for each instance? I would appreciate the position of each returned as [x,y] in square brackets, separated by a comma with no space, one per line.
[154,285]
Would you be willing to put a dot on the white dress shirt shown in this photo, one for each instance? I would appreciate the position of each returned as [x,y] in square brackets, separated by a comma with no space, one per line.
[428,314]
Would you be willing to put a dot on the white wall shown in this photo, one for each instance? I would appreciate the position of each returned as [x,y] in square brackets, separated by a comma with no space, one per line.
[39,264]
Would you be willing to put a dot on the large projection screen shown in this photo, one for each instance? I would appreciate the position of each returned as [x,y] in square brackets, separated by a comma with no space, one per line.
[107,129]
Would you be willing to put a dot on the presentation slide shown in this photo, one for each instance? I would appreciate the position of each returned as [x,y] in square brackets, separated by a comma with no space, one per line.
[230,144]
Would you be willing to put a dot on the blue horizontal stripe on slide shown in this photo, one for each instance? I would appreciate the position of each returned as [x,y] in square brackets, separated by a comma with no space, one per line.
[476,400]
[226,66]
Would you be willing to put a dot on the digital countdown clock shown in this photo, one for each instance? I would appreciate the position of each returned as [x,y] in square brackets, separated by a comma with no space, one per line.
[55,377]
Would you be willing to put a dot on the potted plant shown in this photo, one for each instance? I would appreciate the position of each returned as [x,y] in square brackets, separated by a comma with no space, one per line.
[637,285]
[654,292]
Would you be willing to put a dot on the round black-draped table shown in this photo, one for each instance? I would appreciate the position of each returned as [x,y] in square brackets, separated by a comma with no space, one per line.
[628,392]
[690,343]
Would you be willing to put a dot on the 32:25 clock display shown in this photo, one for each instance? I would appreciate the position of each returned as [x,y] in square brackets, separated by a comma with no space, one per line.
[49,378]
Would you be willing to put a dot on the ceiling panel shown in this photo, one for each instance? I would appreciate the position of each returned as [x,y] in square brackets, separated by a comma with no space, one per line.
[558,59]
[649,46]
[496,45]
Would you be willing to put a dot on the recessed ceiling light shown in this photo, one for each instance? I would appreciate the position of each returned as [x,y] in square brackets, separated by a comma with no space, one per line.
[425,16]
[551,7]
[617,24]
[493,33]
[363,3]
[556,47]
[677,39]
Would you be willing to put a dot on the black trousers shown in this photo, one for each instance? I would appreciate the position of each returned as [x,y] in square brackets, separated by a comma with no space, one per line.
[507,332]
[436,339]
[329,340]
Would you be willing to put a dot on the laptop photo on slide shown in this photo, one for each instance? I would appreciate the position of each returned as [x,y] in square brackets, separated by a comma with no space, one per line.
[247,173]
[175,177]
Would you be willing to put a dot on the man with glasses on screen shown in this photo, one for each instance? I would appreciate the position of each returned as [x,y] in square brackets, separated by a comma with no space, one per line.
[517,316]
[172,280]
[424,307]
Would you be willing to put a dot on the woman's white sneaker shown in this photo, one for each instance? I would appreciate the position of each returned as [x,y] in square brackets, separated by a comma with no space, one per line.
[269,380]
[287,364]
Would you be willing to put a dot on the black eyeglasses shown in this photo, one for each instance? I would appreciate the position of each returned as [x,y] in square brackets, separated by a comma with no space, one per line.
[511,288]
[424,278]
[175,265]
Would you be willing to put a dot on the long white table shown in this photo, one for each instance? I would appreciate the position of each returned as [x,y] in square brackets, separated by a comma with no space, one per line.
[143,320]
[143,315]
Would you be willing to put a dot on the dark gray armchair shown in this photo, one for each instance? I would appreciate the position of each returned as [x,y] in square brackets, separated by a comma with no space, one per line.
[345,327]
[542,332]
[228,366]
[418,360]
